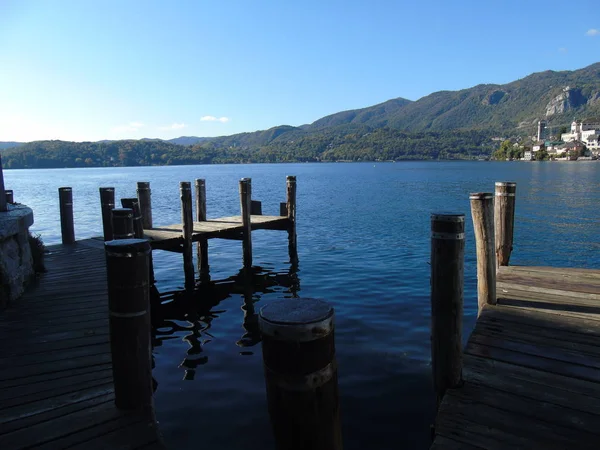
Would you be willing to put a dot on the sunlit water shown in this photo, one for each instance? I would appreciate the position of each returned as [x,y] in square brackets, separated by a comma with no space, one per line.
[363,244]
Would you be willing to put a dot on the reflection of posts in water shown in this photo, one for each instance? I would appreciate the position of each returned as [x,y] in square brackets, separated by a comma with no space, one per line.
[250,323]
[301,374]
[203,269]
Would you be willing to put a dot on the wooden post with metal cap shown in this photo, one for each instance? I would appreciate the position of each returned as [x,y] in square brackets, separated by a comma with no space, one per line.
[245,205]
[122,223]
[290,210]
[187,221]
[144,196]
[67,229]
[504,220]
[301,373]
[129,316]
[134,205]
[482,212]
[447,280]
[203,268]
[107,203]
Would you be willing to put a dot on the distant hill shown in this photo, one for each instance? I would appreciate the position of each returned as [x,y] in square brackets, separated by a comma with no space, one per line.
[443,125]
[9,144]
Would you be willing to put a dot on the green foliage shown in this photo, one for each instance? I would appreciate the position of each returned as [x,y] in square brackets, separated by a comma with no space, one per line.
[37,252]
[542,155]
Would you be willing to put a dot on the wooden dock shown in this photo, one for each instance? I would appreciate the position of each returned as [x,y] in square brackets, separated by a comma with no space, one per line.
[56,385]
[531,368]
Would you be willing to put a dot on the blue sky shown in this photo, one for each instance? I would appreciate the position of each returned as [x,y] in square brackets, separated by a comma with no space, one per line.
[89,70]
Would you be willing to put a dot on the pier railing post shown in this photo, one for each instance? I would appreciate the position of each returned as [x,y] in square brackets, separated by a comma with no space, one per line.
[67,230]
[129,316]
[504,220]
[482,212]
[301,374]
[134,205]
[144,196]
[245,206]
[9,196]
[122,223]
[187,221]
[107,203]
[447,280]
[3,206]
[202,250]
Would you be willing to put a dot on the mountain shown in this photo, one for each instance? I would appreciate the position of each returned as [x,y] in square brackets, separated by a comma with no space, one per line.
[9,144]
[442,125]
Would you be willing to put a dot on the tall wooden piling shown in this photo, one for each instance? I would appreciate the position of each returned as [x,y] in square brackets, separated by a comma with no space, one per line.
[447,281]
[3,206]
[482,212]
[122,223]
[290,210]
[504,220]
[107,203]
[67,229]
[202,250]
[9,196]
[301,374]
[245,206]
[187,220]
[129,305]
[134,205]
[144,196]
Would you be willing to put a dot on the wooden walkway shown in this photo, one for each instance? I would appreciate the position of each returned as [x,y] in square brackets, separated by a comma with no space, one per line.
[531,367]
[56,386]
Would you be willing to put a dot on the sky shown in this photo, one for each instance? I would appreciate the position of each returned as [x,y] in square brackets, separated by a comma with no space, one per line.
[89,70]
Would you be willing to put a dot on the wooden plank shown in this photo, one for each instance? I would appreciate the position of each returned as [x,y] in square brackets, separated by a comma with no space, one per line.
[39,358]
[547,270]
[506,289]
[445,443]
[135,435]
[42,378]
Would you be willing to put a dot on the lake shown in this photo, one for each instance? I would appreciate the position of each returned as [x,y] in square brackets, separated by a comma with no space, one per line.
[363,245]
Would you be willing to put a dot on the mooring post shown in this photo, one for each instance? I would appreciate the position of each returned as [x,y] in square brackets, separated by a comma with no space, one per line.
[290,210]
[3,206]
[129,308]
[301,373]
[187,221]
[256,208]
[107,203]
[67,230]
[202,250]
[245,204]
[9,196]
[447,280]
[504,220]
[134,205]
[144,194]
[482,212]
[122,223]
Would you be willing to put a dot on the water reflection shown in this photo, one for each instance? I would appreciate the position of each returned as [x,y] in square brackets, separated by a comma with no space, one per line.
[189,315]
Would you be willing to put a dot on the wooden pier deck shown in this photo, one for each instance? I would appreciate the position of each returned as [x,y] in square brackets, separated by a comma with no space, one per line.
[531,366]
[56,386]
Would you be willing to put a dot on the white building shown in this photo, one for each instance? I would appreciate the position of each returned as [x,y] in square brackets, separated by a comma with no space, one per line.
[584,131]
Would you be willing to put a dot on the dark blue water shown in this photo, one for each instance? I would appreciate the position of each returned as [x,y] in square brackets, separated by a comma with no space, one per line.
[363,244]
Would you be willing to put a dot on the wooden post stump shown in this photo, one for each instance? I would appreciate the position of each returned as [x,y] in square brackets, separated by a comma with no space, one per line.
[134,205]
[187,221]
[301,374]
[122,221]
[447,281]
[107,203]
[504,220]
[9,196]
[129,306]
[144,194]
[67,230]
[3,206]
[203,268]
[245,206]
[482,212]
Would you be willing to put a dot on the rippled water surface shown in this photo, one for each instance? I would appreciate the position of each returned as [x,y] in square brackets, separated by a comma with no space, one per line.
[363,245]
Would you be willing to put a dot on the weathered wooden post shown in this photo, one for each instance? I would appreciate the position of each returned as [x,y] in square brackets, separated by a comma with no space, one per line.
[301,374]
[203,268]
[134,205]
[482,212]
[144,194]
[129,307]
[122,222]
[245,205]
[187,221]
[9,196]
[107,203]
[447,281]
[504,220]
[3,206]
[290,209]
[67,230]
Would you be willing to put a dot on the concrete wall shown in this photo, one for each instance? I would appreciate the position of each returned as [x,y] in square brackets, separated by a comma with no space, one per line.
[16,263]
